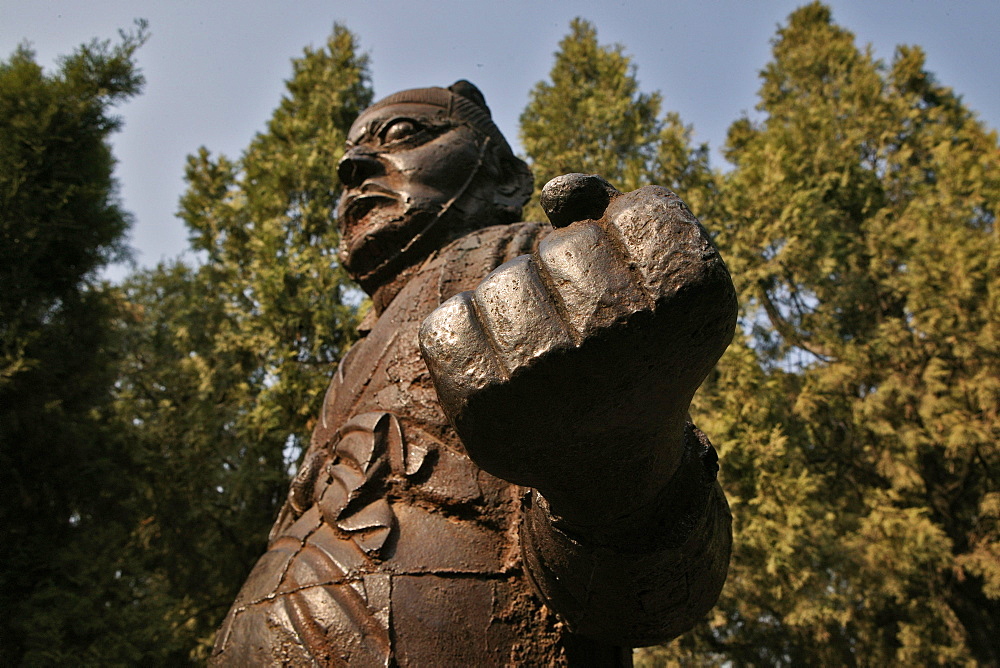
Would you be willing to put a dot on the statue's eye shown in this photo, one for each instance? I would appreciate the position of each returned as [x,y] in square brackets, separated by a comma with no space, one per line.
[400,129]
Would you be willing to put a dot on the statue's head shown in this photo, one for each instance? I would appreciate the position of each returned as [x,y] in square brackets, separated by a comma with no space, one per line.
[422,168]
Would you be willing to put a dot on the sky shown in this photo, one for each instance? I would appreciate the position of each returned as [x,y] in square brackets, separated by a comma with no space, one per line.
[215,69]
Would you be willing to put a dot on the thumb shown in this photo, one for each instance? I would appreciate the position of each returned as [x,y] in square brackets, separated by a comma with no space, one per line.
[572,197]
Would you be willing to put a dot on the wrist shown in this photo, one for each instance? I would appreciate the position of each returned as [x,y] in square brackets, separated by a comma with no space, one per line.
[662,513]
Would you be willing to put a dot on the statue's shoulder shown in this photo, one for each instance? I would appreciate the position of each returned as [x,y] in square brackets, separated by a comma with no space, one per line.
[481,251]
[513,239]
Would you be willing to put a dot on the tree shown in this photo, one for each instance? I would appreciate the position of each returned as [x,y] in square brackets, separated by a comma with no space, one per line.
[591,118]
[61,462]
[229,360]
[858,424]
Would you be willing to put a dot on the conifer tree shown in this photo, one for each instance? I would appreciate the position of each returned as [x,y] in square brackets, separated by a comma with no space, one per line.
[590,117]
[230,358]
[858,424]
[65,514]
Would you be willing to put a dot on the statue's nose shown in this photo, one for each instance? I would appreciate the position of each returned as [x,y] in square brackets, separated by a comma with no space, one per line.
[357,165]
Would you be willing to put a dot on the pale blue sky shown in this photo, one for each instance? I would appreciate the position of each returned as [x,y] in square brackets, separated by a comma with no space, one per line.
[215,70]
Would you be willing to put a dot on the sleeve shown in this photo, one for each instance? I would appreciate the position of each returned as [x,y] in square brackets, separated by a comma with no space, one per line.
[639,582]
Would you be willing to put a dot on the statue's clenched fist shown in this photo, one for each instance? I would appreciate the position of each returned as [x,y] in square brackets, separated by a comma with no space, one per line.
[571,370]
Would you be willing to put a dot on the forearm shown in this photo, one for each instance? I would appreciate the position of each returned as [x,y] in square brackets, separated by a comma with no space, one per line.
[644,579]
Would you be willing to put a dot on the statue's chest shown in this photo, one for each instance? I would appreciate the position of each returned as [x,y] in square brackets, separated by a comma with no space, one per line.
[385,372]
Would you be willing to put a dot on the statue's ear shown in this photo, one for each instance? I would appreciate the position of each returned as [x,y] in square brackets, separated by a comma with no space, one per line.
[515,187]
[516,182]
[469,91]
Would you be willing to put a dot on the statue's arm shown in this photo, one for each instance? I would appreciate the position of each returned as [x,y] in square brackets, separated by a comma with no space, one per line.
[570,371]
[643,579]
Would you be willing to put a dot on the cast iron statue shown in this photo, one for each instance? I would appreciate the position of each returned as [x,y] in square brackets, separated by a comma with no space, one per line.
[503,472]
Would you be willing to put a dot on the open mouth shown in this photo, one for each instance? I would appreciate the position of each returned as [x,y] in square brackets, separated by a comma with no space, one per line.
[357,207]
[357,204]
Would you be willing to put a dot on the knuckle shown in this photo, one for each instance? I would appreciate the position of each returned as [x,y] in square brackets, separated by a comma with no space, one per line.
[661,237]
[517,311]
[591,276]
[457,352]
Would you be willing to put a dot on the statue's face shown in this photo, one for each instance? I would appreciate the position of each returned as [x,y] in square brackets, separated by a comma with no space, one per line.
[409,175]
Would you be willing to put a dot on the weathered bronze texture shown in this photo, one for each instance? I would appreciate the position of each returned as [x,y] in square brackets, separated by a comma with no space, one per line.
[503,472]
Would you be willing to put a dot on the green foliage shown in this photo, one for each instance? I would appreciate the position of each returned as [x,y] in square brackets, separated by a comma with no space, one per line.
[60,217]
[267,227]
[859,426]
[63,464]
[591,118]
[228,361]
